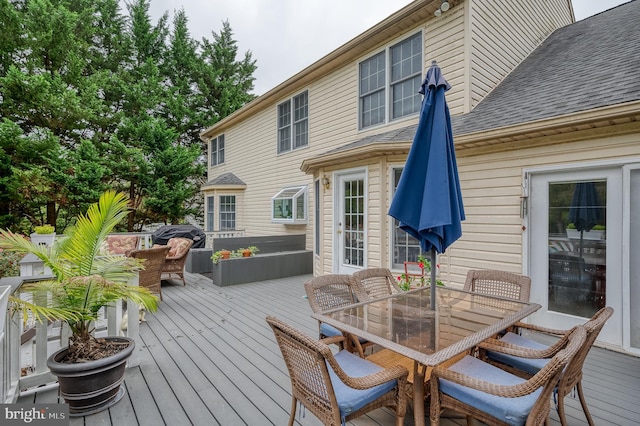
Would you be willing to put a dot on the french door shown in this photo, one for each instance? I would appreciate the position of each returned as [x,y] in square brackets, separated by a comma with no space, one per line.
[575,247]
[350,248]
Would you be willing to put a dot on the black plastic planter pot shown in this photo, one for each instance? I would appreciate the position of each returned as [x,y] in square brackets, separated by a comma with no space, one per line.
[91,386]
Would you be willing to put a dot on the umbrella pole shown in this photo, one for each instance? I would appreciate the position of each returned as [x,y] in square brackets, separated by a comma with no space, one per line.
[433,279]
[580,255]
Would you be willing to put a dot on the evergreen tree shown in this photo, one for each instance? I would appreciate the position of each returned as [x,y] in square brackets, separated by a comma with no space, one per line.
[92,98]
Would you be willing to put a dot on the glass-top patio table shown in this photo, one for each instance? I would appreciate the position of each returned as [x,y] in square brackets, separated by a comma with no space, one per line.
[405,324]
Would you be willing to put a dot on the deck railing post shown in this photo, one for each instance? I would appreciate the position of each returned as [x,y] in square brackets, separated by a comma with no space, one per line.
[133,326]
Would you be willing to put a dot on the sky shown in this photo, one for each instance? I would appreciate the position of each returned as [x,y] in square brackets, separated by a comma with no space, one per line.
[286,36]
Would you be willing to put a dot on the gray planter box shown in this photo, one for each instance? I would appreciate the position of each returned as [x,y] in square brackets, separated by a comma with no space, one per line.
[199,261]
[262,267]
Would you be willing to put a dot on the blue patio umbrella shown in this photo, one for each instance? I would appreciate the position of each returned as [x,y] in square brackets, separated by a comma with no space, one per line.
[585,211]
[428,201]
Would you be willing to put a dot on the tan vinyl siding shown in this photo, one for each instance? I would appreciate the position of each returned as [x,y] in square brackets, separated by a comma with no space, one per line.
[444,43]
[251,155]
[491,190]
[504,33]
[468,58]
[375,211]
[333,103]
[251,152]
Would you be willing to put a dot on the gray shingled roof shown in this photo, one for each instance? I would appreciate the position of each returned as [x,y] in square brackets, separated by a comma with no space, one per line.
[399,135]
[225,179]
[590,64]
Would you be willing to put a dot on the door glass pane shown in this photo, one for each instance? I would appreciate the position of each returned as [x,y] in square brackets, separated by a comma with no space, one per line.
[577,247]
[354,222]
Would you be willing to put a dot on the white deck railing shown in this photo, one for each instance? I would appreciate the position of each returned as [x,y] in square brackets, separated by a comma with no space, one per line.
[221,234]
[31,356]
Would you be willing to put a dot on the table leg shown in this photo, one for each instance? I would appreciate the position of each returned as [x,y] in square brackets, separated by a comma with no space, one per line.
[418,394]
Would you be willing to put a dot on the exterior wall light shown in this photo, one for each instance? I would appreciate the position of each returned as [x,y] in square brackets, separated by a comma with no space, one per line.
[326,182]
[444,6]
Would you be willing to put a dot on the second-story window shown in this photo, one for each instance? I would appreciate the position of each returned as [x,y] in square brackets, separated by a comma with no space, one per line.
[293,123]
[216,148]
[406,76]
[399,90]
[372,90]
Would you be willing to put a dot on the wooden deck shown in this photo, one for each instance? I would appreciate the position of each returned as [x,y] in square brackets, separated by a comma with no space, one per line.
[208,357]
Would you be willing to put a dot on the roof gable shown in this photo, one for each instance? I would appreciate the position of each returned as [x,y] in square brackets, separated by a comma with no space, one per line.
[590,64]
[225,179]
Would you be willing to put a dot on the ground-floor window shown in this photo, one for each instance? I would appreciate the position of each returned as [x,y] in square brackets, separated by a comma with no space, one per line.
[227,212]
[405,247]
[210,214]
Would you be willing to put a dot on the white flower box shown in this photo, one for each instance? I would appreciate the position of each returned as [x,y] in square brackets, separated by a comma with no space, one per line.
[43,239]
[595,235]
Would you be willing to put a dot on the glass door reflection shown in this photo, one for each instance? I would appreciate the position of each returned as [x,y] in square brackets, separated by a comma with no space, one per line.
[577,247]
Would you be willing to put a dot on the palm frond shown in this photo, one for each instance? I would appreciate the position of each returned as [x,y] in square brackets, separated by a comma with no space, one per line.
[42,313]
[91,229]
[85,281]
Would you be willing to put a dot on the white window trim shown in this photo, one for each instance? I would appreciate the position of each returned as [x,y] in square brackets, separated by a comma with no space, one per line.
[222,212]
[216,140]
[300,191]
[291,125]
[387,85]
[210,218]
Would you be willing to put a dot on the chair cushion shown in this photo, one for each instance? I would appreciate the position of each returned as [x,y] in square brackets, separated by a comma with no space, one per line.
[531,366]
[330,331]
[510,410]
[349,399]
[120,244]
[177,246]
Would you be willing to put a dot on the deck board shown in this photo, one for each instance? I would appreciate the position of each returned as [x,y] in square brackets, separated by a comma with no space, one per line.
[208,357]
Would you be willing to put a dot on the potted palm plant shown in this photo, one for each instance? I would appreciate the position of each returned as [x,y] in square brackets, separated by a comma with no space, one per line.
[90,370]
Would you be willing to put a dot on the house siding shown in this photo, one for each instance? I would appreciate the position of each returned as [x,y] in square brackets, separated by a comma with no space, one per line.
[445,43]
[504,33]
[491,189]
[451,40]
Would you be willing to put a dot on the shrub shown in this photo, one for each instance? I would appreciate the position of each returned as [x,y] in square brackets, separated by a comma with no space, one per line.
[44,229]
[9,266]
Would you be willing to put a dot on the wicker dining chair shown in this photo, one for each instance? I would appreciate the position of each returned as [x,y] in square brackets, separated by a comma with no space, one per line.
[336,388]
[487,393]
[498,283]
[334,291]
[492,282]
[377,282]
[154,259]
[527,367]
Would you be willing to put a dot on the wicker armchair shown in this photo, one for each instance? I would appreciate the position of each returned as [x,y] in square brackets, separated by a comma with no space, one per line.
[154,259]
[337,388]
[498,283]
[333,291]
[487,393]
[377,282]
[527,367]
[176,258]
